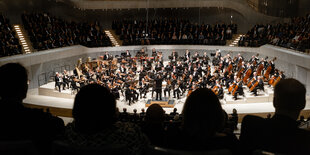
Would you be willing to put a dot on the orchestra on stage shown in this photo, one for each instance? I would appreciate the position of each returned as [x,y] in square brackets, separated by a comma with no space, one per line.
[135,76]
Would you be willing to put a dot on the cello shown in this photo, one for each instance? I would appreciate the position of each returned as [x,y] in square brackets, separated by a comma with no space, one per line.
[253,85]
[259,69]
[268,70]
[235,90]
[247,75]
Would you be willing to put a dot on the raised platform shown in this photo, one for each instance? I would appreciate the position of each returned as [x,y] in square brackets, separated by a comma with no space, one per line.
[50,90]
[165,102]
[266,96]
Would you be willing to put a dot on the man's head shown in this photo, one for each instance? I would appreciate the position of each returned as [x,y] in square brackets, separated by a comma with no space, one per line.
[13,81]
[94,108]
[289,97]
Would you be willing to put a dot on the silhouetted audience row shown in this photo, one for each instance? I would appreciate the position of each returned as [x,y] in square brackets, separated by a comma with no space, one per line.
[201,127]
[294,35]
[172,31]
[9,44]
[48,32]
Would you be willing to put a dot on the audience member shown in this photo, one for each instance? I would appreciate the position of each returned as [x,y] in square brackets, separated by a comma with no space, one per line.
[279,134]
[234,118]
[9,44]
[153,126]
[172,31]
[203,123]
[172,114]
[95,122]
[294,34]
[19,122]
[48,32]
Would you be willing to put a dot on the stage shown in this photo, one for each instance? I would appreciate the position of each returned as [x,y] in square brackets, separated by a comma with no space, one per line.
[61,103]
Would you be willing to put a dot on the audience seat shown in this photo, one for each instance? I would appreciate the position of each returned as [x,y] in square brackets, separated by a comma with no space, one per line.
[17,148]
[154,150]
[61,148]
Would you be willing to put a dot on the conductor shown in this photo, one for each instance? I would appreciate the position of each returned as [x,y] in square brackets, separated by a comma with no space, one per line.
[158,86]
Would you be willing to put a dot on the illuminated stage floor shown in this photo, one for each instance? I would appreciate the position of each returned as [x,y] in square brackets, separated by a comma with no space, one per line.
[49,97]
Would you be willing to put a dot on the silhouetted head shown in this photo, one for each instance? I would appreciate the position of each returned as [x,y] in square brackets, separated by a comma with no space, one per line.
[289,97]
[155,114]
[94,109]
[203,114]
[13,81]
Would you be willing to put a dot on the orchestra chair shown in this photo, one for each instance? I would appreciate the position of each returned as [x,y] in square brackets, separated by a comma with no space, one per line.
[24,147]
[154,150]
[61,148]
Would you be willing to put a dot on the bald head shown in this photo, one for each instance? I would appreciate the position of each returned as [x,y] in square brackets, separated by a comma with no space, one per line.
[289,96]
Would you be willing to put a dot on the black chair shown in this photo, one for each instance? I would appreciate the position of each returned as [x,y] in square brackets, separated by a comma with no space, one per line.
[154,150]
[17,148]
[61,148]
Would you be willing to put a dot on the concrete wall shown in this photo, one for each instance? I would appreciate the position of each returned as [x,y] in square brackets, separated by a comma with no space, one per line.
[42,65]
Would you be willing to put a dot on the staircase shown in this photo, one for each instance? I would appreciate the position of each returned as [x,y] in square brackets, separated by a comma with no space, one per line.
[23,39]
[112,37]
[234,41]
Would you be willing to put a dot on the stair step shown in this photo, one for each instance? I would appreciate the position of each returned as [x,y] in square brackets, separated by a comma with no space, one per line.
[23,39]
[112,38]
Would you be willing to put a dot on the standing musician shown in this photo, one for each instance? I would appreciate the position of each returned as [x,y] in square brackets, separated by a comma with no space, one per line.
[58,81]
[158,86]
[66,79]
[187,55]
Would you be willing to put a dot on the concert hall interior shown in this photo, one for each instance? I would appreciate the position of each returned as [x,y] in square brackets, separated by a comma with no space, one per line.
[155,76]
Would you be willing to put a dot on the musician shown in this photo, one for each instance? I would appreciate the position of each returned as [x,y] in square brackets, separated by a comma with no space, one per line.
[187,55]
[143,88]
[115,91]
[253,59]
[66,79]
[158,66]
[168,87]
[131,94]
[158,86]
[179,65]
[168,67]
[154,53]
[58,81]
[253,81]
[195,56]
[106,56]
[220,94]
[240,58]
[176,89]
[174,57]
[195,75]
[239,91]
[205,59]
[128,55]
[175,71]
[123,69]
[83,81]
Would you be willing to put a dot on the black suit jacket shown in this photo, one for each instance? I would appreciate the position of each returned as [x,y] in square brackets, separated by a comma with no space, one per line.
[280,134]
